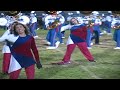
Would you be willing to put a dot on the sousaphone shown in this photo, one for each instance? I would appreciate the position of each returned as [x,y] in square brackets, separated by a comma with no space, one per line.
[116,12]
[86,12]
[12,13]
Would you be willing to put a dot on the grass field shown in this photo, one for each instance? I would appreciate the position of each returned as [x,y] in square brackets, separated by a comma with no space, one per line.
[107,65]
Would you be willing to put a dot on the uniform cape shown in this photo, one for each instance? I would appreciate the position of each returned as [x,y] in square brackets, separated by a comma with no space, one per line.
[78,34]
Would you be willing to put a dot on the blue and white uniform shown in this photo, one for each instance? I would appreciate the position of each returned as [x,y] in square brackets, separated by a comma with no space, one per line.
[52,33]
[116,35]
[33,25]
[108,23]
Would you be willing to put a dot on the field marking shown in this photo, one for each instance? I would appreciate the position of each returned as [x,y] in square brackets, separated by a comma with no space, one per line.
[83,67]
[91,73]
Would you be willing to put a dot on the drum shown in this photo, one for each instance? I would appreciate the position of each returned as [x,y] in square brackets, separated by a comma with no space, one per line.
[24,19]
[3,22]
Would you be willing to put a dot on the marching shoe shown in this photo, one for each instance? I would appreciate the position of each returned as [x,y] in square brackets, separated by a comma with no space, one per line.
[92,61]
[91,43]
[63,63]
[63,37]
[117,48]
[57,44]
[62,43]
[48,43]
[35,36]
[89,47]
[51,47]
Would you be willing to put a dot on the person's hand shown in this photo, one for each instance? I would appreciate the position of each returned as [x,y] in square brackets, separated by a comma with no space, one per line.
[39,65]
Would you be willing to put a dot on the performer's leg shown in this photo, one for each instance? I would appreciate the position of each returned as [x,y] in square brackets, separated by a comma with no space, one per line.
[83,48]
[53,37]
[109,27]
[15,74]
[30,72]
[70,49]
[59,35]
[33,29]
[67,56]
[118,38]
[88,39]
[115,35]
[63,34]
[48,36]
[6,62]
[96,37]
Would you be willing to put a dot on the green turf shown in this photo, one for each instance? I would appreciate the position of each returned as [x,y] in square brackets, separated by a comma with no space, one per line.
[106,67]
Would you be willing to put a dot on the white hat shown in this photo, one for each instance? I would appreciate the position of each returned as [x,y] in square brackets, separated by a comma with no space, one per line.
[109,11]
[32,11]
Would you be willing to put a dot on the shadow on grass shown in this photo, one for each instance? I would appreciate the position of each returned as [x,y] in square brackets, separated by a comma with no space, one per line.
[3,76]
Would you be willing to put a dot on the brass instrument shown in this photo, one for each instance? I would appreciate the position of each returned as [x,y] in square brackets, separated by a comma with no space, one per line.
[90,23]
[54,24]
[86,12]
[116,27]
[12,13]
[116,12]
[50,12]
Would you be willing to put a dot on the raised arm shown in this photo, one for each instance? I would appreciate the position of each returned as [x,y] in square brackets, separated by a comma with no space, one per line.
[63,28]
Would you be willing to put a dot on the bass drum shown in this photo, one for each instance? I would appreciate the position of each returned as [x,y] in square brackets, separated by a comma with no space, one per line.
[3,22]
[24,20]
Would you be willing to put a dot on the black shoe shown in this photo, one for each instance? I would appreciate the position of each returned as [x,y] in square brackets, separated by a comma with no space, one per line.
[97,44]
[92,61]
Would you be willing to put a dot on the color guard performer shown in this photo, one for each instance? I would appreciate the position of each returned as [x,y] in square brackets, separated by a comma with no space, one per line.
[78,32]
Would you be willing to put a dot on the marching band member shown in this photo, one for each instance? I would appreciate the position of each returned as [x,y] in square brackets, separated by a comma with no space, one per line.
[108,23]
[116,35]
[54,31]
[78,32]
[103,26]
[61,35]
[89,33]
[33,25]
[96,29]
[62,21]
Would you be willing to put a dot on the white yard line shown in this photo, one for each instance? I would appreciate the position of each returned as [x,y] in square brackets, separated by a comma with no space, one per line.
[84,68]
[91,73]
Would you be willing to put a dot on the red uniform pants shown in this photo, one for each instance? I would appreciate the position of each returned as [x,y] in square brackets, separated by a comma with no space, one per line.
[30,73]
[83,48]
[6,62]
